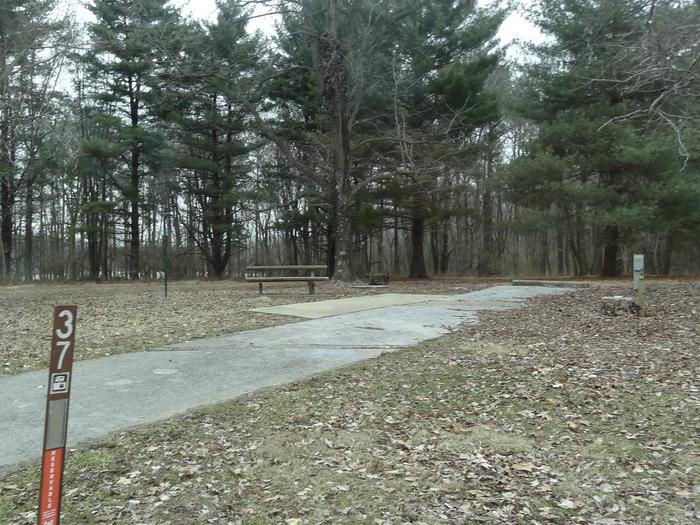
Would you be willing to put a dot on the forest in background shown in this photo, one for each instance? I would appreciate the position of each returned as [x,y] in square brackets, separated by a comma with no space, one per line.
[369,135]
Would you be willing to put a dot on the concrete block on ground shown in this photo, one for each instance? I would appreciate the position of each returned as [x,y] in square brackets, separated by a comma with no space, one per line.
[618,304]
[551,284]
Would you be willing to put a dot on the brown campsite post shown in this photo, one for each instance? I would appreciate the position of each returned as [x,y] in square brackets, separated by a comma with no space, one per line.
[57,399]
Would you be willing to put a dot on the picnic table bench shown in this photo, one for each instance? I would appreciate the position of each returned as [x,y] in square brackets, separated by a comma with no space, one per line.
[257,274]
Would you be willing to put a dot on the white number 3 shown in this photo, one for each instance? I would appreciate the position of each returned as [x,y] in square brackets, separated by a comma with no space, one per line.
[67,325]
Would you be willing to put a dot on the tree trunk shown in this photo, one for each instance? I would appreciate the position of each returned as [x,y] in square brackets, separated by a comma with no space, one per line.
[395,259]
[544,253]
[135,189]
[445,252]
[417,268]
[381,268]
[29,231]
[561,253]
[486,253]
[611,242]
[331,248]
[134,221]
[104,242]
[335,87]
[7,198]
[667,255]
[7,194]
[343,247]
[6,175]
[435,246]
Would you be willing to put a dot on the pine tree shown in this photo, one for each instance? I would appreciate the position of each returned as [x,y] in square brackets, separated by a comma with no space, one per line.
[446,54]
[202,100]
[359,68]
[588,163]
[128,42]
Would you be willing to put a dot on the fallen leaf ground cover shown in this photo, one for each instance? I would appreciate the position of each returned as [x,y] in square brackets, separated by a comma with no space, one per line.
[554,413]
[130,317]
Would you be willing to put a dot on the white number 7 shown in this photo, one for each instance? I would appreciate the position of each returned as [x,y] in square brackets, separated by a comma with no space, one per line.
[67,326]
[65,345]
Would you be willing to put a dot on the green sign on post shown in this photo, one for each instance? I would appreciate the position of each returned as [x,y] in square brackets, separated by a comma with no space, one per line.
[638,269]
[639,282]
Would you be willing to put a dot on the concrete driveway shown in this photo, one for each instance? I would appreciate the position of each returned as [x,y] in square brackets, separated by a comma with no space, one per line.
[116,392]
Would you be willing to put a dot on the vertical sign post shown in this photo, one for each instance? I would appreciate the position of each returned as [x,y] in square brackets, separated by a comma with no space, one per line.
[57,398]
[639,283]
[638,269]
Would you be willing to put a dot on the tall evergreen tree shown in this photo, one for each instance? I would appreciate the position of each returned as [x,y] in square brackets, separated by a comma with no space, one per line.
[588,164]
[368,76]
[127,43]
[202,100]
[444,58]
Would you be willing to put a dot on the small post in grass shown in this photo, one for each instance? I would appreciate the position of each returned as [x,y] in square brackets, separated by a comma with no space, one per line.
[639,283]
[55,427]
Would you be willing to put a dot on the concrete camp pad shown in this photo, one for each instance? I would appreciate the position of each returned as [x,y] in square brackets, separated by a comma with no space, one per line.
[318,309]
[117,392]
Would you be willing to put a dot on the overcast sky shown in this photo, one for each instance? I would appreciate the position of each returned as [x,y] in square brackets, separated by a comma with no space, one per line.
[515,27]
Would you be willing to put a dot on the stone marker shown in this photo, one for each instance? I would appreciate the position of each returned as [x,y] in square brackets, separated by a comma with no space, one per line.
[617,304]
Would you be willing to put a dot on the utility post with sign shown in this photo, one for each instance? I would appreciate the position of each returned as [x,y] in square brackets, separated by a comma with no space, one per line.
[57,399]
[640,283]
